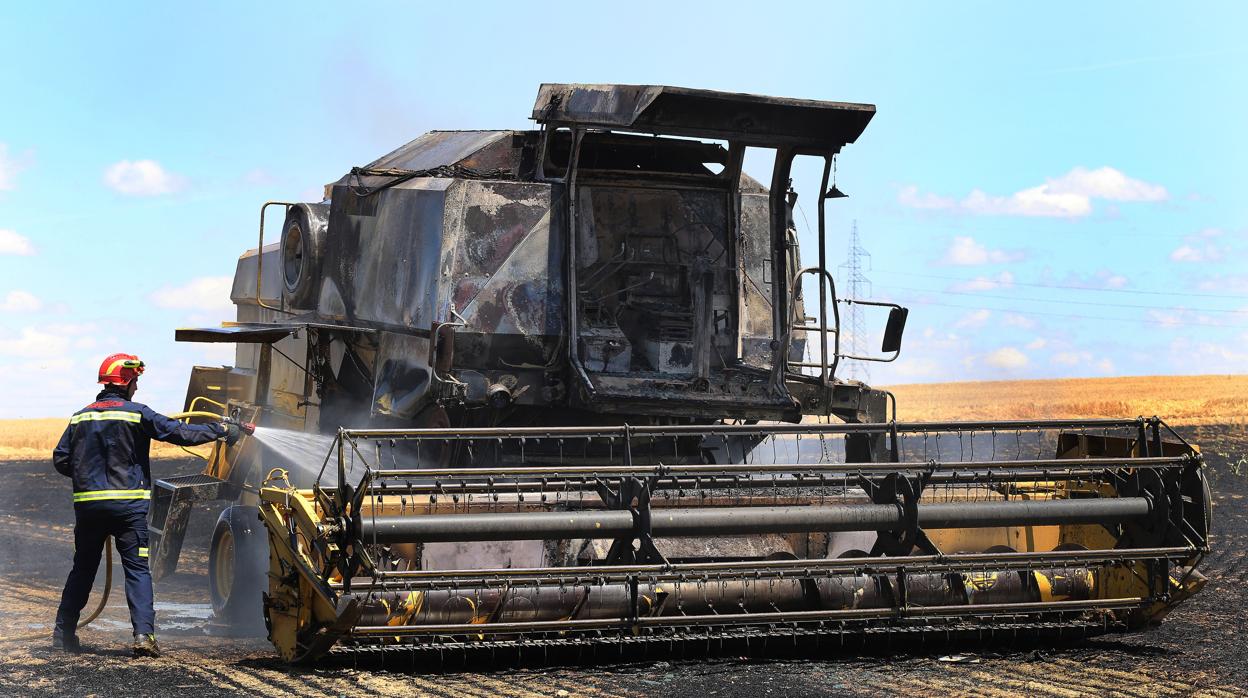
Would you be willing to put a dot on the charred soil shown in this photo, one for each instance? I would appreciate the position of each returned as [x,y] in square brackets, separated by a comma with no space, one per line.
[1197,650]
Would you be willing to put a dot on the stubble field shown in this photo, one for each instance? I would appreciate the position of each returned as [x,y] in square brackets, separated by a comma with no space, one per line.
[1198,650]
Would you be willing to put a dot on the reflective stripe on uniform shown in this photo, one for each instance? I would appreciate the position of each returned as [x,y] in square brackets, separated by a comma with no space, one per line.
[117,415]
[100,495]
[142,552]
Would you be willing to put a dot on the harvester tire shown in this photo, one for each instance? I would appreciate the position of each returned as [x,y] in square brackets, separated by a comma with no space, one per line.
[238,563]
[303,238]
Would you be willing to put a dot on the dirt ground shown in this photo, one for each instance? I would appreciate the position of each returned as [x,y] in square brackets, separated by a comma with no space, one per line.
[1199,650]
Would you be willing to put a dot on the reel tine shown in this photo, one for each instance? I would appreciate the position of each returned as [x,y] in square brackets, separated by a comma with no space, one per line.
[553,588]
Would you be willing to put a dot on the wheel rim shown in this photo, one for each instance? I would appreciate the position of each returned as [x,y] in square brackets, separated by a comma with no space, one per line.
[223,569]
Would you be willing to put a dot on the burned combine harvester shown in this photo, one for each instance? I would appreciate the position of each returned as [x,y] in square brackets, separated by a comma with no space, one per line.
[576,399]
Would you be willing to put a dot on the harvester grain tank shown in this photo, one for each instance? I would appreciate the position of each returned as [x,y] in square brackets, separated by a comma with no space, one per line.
[578,397]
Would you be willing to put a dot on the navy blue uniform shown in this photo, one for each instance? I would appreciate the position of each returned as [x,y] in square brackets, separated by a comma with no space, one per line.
[105,451]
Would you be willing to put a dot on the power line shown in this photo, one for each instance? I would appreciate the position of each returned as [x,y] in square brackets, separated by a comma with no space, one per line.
[1070,302]
[853,276]
[929,227]
[1069,287]
[1084,317]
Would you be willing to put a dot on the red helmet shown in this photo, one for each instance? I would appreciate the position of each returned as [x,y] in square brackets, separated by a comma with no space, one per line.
[120,369]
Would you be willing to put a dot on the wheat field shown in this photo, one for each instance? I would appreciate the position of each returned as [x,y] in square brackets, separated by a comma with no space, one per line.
[34,439]
[1176,399]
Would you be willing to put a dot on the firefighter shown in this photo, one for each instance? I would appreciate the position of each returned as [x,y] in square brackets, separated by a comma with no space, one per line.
[105,451]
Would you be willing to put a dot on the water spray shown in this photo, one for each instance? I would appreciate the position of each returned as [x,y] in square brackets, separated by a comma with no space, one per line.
[300,451]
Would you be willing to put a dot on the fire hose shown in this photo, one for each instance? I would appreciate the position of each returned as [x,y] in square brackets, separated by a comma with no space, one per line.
[108,557]
[95,613]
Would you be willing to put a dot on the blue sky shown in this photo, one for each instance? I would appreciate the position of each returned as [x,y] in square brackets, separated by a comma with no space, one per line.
[1054,190]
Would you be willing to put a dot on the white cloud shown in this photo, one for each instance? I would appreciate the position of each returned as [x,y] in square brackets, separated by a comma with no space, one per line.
[975,318]
[1068,196]
[12,243]
[211,293]
[1036,201]
[35,343]
[1084,361]
[20,302]
[1224,283]
[1200,247]
[1211,357]
[1007,358]
[1173,318]
[9,167]
[966,251]
[1106,183]
[141,178]
[1037,343]
[1069,358]
[918,367]
[1187,253]
[985,283]
[1166,319]
[910,197]
[1020,321]
[1100,279]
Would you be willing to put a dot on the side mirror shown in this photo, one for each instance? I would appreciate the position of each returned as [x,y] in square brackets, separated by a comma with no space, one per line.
[894,329]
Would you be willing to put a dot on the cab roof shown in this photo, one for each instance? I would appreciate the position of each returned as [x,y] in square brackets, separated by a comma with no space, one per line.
[753,120]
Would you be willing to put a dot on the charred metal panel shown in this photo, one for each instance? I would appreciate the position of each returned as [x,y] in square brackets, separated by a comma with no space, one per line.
[744,118]
[403,376]
[438,149]
[515,153]
[505,276]
[382,253]
[526,295]
[675,262]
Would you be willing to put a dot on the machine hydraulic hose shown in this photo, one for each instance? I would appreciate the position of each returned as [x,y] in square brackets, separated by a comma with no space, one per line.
[196,413]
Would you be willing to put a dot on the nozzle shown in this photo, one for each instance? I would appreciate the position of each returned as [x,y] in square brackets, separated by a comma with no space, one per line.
[235,429]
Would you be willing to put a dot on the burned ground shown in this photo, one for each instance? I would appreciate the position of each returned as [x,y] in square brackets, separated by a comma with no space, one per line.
[1197,650]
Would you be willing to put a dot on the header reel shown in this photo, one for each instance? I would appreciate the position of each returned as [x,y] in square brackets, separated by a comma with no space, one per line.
[633,535]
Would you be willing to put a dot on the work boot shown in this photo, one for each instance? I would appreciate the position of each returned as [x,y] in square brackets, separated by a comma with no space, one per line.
[145,645]
[66,643]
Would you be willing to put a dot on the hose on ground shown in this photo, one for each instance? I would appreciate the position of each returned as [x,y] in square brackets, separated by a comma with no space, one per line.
[99,607]
[108,557]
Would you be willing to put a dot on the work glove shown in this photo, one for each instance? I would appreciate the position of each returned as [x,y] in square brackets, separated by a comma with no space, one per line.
[233,432]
